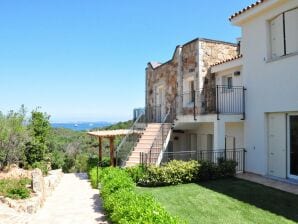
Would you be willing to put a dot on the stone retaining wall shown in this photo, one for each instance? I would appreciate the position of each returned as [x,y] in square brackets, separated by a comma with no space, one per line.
[42,187]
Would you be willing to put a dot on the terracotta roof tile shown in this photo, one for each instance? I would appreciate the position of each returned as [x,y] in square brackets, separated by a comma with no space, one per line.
[228,60]
[246,9]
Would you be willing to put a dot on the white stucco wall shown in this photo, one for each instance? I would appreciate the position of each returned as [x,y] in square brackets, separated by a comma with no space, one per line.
[235,130]
[271,86]
[200,130]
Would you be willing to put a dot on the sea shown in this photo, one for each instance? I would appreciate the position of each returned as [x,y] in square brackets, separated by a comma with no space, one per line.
[81,126]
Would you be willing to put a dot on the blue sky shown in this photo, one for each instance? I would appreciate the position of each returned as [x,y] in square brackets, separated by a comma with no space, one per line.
[84,60]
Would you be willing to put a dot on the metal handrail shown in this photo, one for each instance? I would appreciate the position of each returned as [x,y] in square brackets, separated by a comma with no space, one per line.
[125,139]
[160,133]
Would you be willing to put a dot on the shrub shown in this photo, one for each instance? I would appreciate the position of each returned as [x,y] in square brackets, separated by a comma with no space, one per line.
[15,188]
[114,179]
[123,204]
[43,166]
[136,172]
[127,206]
[227,168]
[172,173]
[209,170]
[92,162]
[93,176]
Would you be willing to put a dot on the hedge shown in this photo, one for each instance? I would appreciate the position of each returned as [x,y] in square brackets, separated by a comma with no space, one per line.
[181,172]
[172,173]
[123,204]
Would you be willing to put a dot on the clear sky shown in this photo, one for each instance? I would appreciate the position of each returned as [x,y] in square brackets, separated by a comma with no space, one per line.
[84,60]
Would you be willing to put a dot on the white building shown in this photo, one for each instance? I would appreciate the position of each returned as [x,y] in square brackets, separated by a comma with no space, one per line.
[233,101]
[270,73]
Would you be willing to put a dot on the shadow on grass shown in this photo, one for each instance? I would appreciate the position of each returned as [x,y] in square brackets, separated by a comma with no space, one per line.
[275,201]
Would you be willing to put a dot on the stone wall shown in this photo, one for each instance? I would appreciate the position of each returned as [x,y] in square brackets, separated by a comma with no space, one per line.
[41,188]
[189,57]
[211,53]
[191,60]
[164,75]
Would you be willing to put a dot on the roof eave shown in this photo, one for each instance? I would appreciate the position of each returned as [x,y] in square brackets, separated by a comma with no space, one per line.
[240,18]
[238,62]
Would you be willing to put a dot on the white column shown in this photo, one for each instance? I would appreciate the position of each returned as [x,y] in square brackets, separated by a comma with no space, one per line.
[219,135]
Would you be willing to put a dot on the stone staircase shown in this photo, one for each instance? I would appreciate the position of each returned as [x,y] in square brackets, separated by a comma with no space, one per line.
[144,144]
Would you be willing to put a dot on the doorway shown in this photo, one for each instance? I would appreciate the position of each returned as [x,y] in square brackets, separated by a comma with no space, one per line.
[293,146]
[277,159]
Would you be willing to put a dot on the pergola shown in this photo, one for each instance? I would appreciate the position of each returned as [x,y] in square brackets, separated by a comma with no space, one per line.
[110,134]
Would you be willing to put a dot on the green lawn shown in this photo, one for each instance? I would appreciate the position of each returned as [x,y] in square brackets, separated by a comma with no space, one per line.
[228,201]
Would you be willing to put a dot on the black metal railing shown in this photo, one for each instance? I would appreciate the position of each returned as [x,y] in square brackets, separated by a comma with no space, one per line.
[159,141]
[218,100]
[237,155]
[230,100]
[158,113]
[128,143]
[154,113]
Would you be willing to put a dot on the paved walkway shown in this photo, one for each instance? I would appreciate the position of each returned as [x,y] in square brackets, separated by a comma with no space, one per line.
[72,202]
[274,183]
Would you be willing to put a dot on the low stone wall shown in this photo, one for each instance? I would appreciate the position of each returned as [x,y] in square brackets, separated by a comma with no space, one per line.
[41,186]
[13,171]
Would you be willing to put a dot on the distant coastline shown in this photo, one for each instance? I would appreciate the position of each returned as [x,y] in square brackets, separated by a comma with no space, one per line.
[81,126]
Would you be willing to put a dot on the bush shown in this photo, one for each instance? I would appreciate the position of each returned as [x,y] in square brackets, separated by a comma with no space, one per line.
[172,173]
[93,176]
[123,204]
[227,168]
[43,166]
[136,172]
[210,170]
[15,188]
[92,162]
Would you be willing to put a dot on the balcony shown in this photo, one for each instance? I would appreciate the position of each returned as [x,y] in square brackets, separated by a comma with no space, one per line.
[217,100]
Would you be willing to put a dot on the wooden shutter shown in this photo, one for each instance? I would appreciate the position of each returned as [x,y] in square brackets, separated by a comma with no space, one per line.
[291,31]
[277,39]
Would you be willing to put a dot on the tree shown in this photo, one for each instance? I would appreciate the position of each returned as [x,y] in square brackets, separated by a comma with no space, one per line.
[13,136]
[39,129]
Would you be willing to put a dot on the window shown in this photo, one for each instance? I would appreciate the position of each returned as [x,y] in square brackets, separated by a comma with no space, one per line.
[192,91]
[230,82]
[227,81]
[284,33]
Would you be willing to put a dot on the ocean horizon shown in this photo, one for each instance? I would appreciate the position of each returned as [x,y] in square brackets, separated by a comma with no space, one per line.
[81,126]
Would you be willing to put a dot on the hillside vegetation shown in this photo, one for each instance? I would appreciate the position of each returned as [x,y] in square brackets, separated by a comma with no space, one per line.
[32,142]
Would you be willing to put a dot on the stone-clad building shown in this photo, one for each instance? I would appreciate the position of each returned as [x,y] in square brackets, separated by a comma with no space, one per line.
[173,83]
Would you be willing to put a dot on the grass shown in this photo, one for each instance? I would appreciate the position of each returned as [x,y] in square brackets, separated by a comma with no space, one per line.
[227,201]
[15,188]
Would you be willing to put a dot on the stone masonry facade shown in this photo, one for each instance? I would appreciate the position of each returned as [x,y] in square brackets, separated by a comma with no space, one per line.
[191,62]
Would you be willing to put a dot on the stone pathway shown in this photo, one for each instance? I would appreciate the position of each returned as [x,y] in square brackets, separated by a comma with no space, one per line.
[73,202]
[10,216]
[269,182]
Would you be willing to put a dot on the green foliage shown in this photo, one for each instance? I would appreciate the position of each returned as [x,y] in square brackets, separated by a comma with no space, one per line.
[39,129]
[136,172]
[93,160]
[92,174]
[209,170]
[13,137]
[172,173]
[71,150]
[42,165]
[57,159]
[15,188]
[123,204]
[126,206]
[119,125]
[227,201]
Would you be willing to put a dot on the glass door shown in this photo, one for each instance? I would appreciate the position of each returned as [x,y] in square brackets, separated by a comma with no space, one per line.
[293,146]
